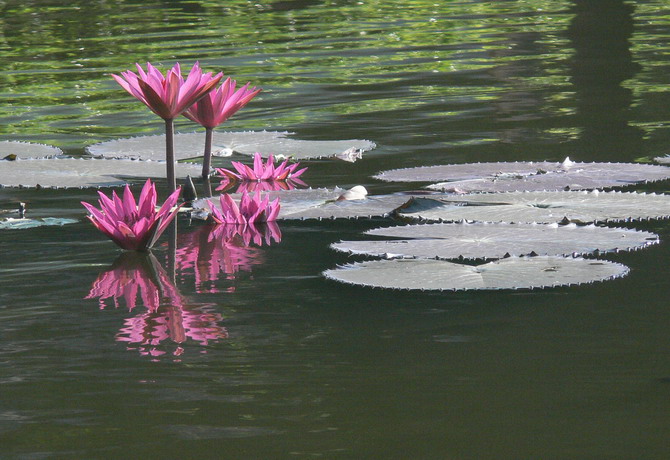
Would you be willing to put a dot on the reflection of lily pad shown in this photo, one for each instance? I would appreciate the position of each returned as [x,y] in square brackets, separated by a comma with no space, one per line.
[510,273]
[20,224]
[540,207]
[320,204]
[76,172]
[528,176]
[27,150]
[191,145]
[495,241]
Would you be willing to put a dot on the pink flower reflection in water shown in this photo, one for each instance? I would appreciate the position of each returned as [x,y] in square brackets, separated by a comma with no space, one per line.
[227,185]
[226,249]
[169,315]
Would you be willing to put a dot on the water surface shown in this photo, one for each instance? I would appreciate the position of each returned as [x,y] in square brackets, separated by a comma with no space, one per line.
[284,363]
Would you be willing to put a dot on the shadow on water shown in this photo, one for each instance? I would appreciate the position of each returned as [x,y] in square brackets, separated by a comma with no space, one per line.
[600,34]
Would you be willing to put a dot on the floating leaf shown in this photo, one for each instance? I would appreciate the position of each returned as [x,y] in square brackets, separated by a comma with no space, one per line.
[528,176]
[495,241]
[510,273]
[540,207]
[191,145]
[20,224]
[27,150]
[78,172]
[320,204]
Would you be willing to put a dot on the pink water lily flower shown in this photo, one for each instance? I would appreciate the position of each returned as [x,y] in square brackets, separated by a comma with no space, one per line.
[168,96]
[131,225]
[212,110]
[220,104]
[252,209]
[261,171]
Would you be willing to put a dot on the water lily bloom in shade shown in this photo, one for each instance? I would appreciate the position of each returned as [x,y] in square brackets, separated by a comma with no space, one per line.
[261,171]
[133,225]
[252,209]
[215,108]
[168,96]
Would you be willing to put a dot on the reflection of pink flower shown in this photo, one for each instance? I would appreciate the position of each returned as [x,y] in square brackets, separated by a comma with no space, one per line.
[133,226]
[169,315]
[259,186]
[224,249]
[262,172]
[220,104]
[251,210]
[170,95]
[146,331]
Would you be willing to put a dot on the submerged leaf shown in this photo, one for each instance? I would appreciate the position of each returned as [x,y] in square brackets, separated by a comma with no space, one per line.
[510,273]
[540,207]
[78,172]
[25,150]
[495,241]
[528,176]
[191,145]
[321,204]
[20,224]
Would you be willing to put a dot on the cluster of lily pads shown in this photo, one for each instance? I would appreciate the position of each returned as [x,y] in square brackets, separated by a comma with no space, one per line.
[517,225]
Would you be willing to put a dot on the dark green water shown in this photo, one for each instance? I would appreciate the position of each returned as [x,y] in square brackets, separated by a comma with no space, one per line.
[304,367]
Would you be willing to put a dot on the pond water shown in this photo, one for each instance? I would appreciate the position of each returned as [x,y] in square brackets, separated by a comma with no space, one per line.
[266,358]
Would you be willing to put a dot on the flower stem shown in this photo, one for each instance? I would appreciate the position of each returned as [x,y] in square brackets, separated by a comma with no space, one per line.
[172,251]
[207,161]
[169,155]
[208,186]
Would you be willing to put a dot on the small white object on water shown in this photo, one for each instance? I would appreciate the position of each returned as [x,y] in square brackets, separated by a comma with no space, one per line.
[354,193]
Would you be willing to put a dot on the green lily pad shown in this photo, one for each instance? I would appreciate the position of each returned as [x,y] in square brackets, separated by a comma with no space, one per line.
[20,224]
[495,240]
[540,207]
[191,145]
[12,150]
[510,273]
[528,176]
[78,172]
[319,204]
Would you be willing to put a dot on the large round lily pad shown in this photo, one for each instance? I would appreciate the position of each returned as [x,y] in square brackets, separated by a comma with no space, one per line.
[191,145]
[540,207]
[319,204]
[510,273]
[78,172]
[528,176]
[18,149]
[495,241]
